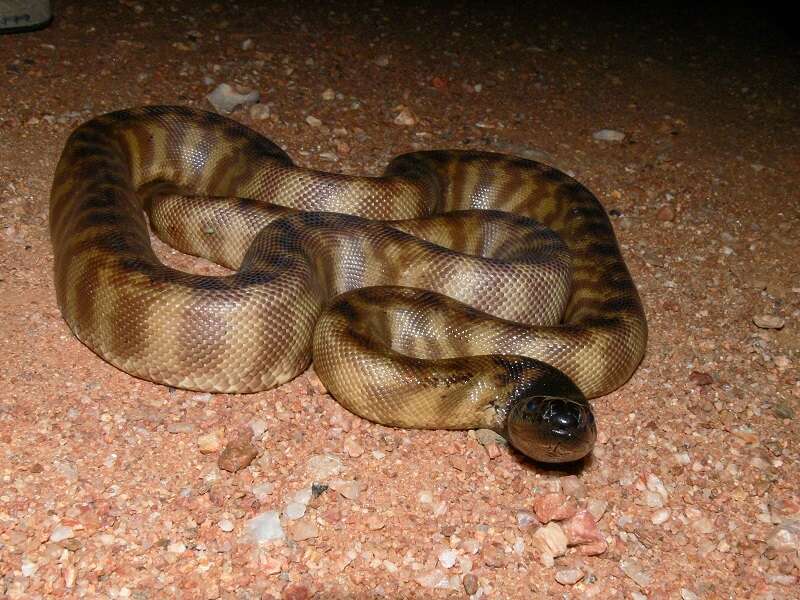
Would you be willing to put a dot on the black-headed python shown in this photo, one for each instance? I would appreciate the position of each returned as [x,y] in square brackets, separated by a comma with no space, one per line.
[459,290]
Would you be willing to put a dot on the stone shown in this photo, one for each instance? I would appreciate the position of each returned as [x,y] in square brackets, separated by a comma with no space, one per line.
[569,576]
[554,507]
[265,527]
[237,455]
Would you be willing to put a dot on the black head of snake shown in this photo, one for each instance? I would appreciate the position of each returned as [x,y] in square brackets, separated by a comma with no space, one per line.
[458,290]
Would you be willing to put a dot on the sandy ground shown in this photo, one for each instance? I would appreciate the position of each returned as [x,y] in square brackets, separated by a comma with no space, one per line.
[111,487]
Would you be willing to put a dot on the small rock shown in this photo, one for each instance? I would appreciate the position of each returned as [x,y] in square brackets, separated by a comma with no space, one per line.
[259,112]
[28,567]
[352,447]
[783,411]
[313,121]
[61,532]
[225,525]
[493,450]
[295,591]
[328,94]
[304,529]
[470,583]
[582,530]
[597,508]
[382,60]
[209,443]
[525,519]
[447,558]
[225,99]
[660,516]
[294,510]
[688,594]
[554,507]
[180,428]
[608,135]
[769,321]
[569,576]
[488,436]
[434,579]
[655,485]
[374,523]
[349,489]
[247,44]
[405,117]
[321,467]
[237,455]
[265,527]
[699,378]
[573,486]
[262,490]
[785,537]
[665,213]
[634,570]
[551,542]
[176,548]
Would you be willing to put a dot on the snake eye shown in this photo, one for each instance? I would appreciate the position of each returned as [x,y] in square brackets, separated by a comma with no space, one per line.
[552,429]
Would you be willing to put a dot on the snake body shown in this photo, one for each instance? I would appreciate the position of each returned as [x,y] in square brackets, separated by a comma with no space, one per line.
[459,290]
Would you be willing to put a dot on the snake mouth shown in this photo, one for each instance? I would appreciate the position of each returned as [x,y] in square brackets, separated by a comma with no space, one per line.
[552,429]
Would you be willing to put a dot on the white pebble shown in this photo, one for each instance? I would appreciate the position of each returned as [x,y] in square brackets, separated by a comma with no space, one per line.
[262,490]
[225,99]
[688,594]
[323,466]
[176,548]
[265,527]
[569,576]
[608,135]
[225,525]
[60,533]
[447,558]
[294,510]
[660,516]
[247,44]
[634,570]
[28,567]
[313,121]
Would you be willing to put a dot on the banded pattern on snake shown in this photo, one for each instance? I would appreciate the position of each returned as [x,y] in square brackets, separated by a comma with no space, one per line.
[459,290]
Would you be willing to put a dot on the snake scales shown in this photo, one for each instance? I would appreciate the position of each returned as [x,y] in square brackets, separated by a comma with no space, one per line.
[431,297]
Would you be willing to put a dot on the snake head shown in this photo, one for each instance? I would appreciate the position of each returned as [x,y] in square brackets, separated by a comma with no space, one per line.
[552,429]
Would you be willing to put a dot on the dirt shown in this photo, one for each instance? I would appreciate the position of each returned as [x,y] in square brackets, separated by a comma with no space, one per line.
[112,487]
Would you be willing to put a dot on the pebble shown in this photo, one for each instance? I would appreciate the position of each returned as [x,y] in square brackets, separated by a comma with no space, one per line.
[262,490]
[265,527]
[382,60]
[434,579]
[294,510]
[569,576]
[28,567]
[470,584]
[225,99]
[701,379]
[573,486]
[525,519]
[665,213]
[180,428]
[304,529]
[597,508]
[488,436]
[447,558]
[259,112]
[660,516]
[582,530]
[61,532]
[328,94]
[405,117]
[313,121]
[352,447]
[688,594]
[348,489]
[237,455]
[295,591]
[634,570]
[785,537]
[209,443]
[323,466]
[608,135]
[783,411]
[176,548]
[554,507]
[551,541]
[225,525]
[248,44]
[769,321]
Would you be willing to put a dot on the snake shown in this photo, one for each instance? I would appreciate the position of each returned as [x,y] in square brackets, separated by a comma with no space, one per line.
[460,289]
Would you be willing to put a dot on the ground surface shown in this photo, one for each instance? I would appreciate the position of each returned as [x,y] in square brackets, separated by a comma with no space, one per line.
[111,487]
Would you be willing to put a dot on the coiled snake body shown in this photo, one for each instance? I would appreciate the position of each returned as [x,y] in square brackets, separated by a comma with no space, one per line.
[430,297]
